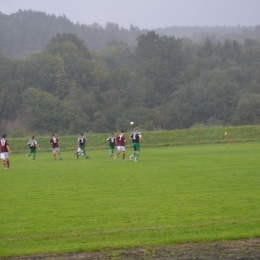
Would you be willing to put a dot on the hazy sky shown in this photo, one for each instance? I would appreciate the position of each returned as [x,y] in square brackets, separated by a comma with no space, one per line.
[146,14]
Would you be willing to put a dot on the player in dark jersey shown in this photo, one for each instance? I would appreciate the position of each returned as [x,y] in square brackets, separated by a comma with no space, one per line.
[112,142]
[81,146]
[32,147]
[5,151]
[120,141]
[54,142]
[136,138]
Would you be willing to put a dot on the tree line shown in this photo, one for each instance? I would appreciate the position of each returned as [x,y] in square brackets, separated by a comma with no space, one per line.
[162,83]
[29,31]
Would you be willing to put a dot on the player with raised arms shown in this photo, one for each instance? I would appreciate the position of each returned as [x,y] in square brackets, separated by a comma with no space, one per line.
[136,138]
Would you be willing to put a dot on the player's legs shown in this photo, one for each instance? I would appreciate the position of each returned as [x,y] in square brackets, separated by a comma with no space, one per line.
[56,150]
[113,147]
[84,151]
[118,151]
[111,150]
[77,152]
[34,155]
[137,151]
[4,163]
[82,147]
[30,152]
[5,160]
[8,163]
[134,153]
[136,156]
[54,153]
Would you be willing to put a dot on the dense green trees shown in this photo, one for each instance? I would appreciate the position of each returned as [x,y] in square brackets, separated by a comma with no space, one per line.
[162,83]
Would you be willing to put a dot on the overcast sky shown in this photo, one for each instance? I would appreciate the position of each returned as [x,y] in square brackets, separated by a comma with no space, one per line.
[146,14]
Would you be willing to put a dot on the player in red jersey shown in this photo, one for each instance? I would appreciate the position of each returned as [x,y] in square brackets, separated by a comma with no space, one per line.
[5,151]
[55,146]
[120,141]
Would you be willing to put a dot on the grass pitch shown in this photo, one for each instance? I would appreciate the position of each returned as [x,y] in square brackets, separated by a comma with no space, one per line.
[172,195]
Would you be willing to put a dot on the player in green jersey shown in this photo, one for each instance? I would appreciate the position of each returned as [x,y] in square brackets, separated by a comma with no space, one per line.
[81,146]
[136,138]
[32,147]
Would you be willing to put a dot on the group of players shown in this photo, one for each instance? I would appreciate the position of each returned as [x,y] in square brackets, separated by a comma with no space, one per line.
[119,141]
[54,142]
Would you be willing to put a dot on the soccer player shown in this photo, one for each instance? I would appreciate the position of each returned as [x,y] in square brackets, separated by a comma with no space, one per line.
[79,152]
[55,146]
[5,151]
[112,142]
[81,146]
[32,147]
[135,137]
[121,141]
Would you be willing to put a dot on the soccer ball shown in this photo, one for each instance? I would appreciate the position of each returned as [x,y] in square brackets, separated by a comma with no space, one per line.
[131,123]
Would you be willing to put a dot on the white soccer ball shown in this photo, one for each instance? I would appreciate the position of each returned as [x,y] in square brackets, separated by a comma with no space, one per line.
[131,123]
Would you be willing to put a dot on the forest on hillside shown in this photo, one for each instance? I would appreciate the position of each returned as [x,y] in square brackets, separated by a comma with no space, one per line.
[29,31]
[160,82]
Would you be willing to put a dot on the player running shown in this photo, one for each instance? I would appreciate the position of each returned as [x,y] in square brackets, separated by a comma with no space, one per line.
[112,142]
[32,147]
[81,146]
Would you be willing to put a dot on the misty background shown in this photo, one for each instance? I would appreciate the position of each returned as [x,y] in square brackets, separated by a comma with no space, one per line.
[62,75]
[145,14]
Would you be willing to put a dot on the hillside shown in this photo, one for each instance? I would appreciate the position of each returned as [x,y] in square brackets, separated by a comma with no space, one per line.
[29,31]
[163,83]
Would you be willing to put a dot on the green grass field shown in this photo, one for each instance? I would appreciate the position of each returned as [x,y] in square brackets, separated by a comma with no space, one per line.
[172,195]
[194,136]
